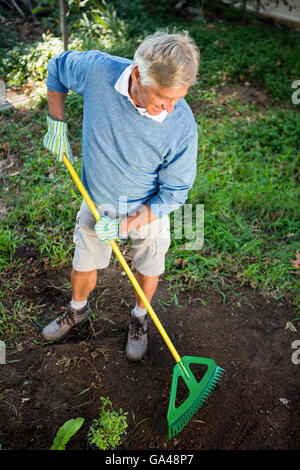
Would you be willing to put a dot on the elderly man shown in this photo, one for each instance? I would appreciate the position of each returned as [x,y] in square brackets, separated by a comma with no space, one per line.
[139,147]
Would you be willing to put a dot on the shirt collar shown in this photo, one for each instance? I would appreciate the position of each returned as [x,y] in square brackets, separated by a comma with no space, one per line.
[122,86]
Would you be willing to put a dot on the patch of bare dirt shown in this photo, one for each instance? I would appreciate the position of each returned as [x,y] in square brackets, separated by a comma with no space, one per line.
[244,94]
[254,406]
[226,95]
[27,29]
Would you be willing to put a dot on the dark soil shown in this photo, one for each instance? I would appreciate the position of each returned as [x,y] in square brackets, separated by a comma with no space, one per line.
[254,406]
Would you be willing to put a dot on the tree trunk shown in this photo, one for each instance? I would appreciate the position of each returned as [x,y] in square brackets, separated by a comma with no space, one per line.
[244,5]
[63,23]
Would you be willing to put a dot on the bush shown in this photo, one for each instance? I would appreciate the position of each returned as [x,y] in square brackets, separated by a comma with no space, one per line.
[29,61]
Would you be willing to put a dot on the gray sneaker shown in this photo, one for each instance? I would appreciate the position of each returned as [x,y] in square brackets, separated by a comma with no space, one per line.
[62,325]
[137,341]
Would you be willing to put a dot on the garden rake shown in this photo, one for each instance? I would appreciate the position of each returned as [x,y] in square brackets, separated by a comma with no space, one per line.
[179,416]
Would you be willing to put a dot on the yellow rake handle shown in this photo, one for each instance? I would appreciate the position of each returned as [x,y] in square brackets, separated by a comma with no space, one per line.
[123,262]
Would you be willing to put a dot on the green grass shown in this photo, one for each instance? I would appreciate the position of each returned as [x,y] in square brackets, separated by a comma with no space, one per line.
[261,55]
[248,181]
[16,320]
[41,203]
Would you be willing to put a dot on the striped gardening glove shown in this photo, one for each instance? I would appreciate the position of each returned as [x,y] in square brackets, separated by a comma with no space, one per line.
[108,230]
[56,139]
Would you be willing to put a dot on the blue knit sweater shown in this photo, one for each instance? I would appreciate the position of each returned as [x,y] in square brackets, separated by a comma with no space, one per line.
[128,159]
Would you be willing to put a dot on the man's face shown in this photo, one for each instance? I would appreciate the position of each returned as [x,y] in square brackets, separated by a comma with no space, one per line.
[154,100]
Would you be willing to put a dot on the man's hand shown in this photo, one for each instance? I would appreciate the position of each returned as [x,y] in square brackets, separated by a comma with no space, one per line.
[108,230]
[56,139]
[142,216]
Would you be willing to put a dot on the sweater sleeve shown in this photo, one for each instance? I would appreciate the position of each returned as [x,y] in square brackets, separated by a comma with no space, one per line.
[175,178]
[70,70]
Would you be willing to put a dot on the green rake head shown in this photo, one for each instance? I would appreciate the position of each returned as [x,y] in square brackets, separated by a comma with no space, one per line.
[198,391]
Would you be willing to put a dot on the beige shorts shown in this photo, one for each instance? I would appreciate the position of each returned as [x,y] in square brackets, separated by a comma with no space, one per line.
[150,244]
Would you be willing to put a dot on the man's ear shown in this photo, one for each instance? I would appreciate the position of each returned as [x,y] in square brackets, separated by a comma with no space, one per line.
[135,74]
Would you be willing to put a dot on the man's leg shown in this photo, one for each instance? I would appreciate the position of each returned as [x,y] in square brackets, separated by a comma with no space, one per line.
[150,244]
[137,341]
[82,284]
[90,255]
[77,312]
[148,285]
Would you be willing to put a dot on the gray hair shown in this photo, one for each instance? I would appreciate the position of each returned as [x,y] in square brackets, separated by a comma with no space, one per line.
[168,60]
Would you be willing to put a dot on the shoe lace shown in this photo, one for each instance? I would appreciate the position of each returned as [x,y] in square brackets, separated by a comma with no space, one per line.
[136,328]
[66,317]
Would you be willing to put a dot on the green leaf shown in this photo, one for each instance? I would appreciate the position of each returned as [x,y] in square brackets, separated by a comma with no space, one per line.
[39,9]
[65,433]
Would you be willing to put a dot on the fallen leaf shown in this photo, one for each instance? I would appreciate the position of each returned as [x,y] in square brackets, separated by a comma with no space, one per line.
[296,262]
[24,400]
[273,216]
[5,146]
[290,326]
[184,262]
[285,402]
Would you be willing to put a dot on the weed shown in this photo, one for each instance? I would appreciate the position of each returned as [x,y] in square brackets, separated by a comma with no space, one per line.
[108,428]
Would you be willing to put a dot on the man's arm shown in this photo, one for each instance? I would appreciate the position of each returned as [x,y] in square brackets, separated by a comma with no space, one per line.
[56,138]
[56,104]
[176,176]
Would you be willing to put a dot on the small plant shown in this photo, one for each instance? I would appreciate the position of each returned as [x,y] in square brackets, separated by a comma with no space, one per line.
[106,431]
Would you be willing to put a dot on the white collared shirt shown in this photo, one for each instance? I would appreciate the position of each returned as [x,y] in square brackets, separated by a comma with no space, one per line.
[122,86]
